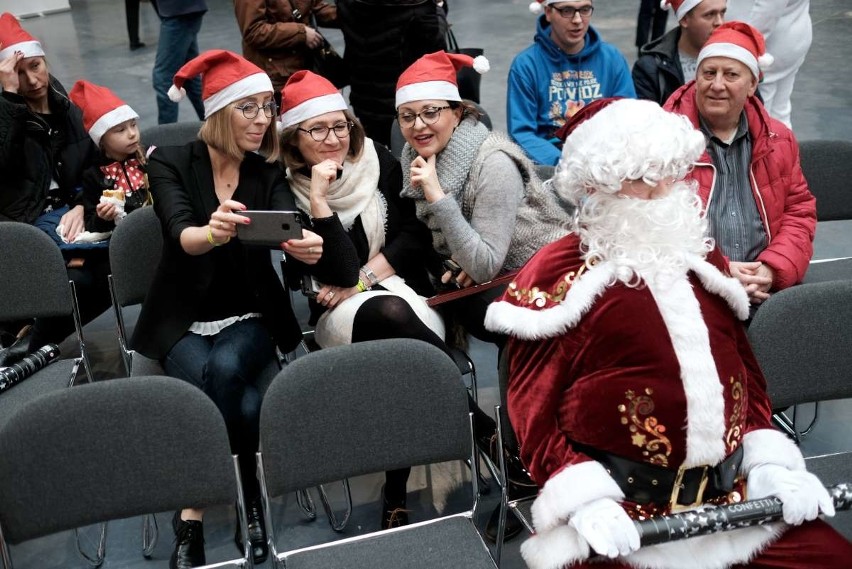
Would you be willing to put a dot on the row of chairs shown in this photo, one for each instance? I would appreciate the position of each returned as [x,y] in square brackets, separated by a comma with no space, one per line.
[137,445]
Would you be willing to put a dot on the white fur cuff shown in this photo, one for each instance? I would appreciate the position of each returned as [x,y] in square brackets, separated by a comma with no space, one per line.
[569,490]
[768,446]
[554,549]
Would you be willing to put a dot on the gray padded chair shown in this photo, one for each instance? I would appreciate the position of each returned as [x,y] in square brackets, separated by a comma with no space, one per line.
[398,141]
[135,249]
[800,337]
[406,406]
[130,446]
[175,134]
[35,284]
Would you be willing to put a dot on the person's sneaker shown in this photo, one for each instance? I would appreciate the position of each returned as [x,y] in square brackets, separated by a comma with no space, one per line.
[256,531]
[189,544]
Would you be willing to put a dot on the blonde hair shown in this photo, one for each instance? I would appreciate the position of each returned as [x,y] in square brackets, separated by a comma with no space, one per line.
[218,133]
[293,159]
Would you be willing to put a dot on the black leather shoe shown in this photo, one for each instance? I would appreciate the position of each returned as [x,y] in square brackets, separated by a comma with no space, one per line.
[189,544]
[21,347]
[513,526]
[256,531]
[394,514]
[134,45]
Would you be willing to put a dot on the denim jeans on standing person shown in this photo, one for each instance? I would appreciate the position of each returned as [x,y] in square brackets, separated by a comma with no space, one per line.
[226,366]
[178,44]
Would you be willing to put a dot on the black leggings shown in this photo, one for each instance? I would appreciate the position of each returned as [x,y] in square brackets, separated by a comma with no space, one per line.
[387,316]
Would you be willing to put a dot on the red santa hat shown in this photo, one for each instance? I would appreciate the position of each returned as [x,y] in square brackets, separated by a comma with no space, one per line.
[538,5]
[102,109]
[738,41]
[433,76]
[681,7]
[14,38]
[225,77]
[307,95]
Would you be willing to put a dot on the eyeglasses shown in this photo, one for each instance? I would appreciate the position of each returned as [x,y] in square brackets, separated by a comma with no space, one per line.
[569,13]
[429,115]
[250,110]
[320,133]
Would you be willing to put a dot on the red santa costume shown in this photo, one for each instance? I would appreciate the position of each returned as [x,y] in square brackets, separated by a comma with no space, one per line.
[629,371]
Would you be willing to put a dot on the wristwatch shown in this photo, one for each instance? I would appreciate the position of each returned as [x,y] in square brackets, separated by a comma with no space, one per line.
[369,276]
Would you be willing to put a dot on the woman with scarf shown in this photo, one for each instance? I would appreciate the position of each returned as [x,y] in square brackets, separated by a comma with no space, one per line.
[344,180]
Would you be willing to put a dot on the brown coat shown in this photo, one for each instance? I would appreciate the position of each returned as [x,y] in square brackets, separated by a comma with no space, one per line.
[273,39]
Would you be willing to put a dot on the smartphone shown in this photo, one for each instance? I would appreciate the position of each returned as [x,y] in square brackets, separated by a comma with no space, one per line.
[452,267]
[270,228]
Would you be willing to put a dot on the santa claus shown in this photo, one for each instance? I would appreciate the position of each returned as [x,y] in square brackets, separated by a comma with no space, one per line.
[633,389]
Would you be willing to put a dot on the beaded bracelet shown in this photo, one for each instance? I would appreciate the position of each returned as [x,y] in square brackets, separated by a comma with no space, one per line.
[213,241]
[362,287]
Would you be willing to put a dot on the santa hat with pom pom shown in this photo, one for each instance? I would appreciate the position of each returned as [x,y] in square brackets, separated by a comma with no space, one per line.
[225,77]
[102,109]
[15,38]
[680,7]
[738,41]
[307,95]
[538,5]
[433,76]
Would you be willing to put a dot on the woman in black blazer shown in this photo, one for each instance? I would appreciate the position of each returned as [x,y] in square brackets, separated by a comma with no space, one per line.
[217,310]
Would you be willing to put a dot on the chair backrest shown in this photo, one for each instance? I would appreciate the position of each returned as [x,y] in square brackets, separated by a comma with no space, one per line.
[135,249]
[111,450]
[827,165]
[174,134]
[398,141]
[801,339]
[362,408]
[33,278]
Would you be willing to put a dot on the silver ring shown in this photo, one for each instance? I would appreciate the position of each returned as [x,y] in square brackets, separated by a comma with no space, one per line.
[330,295]
[310,250]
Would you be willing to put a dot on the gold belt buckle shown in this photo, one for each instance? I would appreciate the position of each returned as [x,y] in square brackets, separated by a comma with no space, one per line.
[674,506]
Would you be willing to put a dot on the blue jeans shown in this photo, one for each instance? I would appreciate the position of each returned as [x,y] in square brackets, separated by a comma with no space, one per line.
[226,367]
[178,44]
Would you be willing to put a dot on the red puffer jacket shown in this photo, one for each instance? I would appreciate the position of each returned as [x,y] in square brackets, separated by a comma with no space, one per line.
[785,203]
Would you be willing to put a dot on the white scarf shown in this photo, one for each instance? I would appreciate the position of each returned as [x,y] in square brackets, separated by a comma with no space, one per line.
[355,193]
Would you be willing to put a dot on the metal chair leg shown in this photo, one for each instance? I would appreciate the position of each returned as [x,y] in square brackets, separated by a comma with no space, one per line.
[150,534]
[337,525]
[100,552]
[306,503]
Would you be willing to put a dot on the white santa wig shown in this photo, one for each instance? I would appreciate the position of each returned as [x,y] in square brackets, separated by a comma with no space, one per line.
[629,139]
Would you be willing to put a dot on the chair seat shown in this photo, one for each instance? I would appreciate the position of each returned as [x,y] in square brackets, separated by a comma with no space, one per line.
[833,270]
[55,376]
[449,542]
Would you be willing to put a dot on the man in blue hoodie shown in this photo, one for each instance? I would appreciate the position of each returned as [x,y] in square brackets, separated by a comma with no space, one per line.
[566,68]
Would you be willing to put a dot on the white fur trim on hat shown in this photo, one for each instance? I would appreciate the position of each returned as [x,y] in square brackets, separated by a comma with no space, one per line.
[685,8]
[175,94]
[113,118]
[29,48]
[247,86]
[481,64]
[427,90]
[313,108]
[732,51]
[535,7]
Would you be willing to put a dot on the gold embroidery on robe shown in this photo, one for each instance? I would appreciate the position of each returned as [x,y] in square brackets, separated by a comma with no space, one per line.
[539,297]
[646,432]
[735,429]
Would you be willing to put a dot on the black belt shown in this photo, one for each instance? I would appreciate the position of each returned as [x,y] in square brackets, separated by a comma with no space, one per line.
[684,488]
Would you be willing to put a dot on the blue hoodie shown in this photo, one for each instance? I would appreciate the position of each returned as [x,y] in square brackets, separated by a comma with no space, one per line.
[547,85]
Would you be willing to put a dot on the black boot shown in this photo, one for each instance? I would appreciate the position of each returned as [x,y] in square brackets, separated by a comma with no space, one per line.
[189,544]
[256,531]
[23,345]
[394,514]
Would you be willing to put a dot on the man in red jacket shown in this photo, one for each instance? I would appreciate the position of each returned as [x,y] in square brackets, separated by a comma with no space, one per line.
[757,201]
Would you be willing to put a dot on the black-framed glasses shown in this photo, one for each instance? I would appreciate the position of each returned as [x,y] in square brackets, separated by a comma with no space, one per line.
[429,115]
[320,133]
[250,109]
[569,13]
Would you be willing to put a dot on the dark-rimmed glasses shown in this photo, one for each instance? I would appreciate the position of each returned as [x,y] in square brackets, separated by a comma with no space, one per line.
[429,115]
[250,110]
[569,13]
[320,133]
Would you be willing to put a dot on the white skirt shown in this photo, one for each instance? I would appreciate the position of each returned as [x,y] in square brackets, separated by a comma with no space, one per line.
[334,327]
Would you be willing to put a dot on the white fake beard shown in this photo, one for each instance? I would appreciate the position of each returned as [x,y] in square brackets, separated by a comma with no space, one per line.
[646,239]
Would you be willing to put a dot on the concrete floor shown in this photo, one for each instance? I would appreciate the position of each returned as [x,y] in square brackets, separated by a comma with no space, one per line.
[90,41]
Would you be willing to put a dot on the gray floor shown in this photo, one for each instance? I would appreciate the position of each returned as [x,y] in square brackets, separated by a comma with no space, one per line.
[90,41]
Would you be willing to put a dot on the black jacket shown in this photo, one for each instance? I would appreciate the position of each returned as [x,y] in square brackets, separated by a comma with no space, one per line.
[384,37]
[181,180]
[26,158]
[657,73]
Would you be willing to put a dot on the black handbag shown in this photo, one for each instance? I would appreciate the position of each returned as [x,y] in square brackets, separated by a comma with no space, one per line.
[468,78]
[328,63]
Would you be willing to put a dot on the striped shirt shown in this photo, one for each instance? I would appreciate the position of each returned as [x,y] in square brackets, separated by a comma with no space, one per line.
[732,213]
